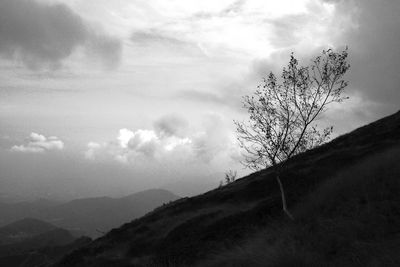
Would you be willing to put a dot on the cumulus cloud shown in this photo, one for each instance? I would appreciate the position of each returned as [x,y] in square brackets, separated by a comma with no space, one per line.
[170,141]
[38,143]
[145,142]
[91,150]
[43,35]
[135,146]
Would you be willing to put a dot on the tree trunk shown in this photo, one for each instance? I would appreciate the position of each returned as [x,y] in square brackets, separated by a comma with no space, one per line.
[284,206]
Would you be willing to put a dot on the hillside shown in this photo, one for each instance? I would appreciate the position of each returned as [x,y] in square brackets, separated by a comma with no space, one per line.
[89,216]
[344,196]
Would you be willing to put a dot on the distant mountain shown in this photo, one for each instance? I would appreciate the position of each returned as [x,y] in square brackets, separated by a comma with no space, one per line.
[195,185]
[89,216]
[344,196]
[10,212]
[52,238]
[23,229]
[29,234]
[31,242]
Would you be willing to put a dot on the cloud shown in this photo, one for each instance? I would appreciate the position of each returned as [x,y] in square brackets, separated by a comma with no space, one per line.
[145,142]
[374,48]
[124,136]
[234,8]
[228,93]
[91,150]
[201,96]
[137,146]
[171,141]
[231,10]
[145,37]
[42,35]
[105,48]
[216,141]
[165,40]
[37,143]
[171,125]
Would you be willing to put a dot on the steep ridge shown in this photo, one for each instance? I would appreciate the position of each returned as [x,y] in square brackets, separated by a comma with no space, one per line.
[189,230]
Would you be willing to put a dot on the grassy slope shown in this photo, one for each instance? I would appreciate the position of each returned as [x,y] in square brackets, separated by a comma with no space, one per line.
[352,219]
[246,217]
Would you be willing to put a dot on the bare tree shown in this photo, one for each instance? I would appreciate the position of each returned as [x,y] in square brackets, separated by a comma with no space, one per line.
[283,112]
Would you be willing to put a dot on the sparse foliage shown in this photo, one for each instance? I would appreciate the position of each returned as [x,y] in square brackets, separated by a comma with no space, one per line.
[283,112]
[230,177]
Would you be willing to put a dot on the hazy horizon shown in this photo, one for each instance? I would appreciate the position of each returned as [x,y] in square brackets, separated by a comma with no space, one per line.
[109,98]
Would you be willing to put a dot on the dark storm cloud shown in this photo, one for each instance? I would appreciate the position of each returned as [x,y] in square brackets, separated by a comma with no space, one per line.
[374,45]
[371,30]
[42,35]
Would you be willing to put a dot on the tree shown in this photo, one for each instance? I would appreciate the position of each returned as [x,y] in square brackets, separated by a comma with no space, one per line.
[283,113]
[230,177]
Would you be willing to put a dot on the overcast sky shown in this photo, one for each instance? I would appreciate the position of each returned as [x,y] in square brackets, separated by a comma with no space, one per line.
[113,97]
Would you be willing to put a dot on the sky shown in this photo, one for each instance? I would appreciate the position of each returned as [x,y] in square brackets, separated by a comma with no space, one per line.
[114,97]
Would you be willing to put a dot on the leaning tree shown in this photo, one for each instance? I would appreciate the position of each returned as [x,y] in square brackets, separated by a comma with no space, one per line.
[283,112]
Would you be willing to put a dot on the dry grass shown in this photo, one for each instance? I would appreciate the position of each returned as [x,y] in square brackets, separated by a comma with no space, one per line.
[350,220]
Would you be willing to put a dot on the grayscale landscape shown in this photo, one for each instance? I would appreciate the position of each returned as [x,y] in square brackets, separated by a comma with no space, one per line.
[188,133]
